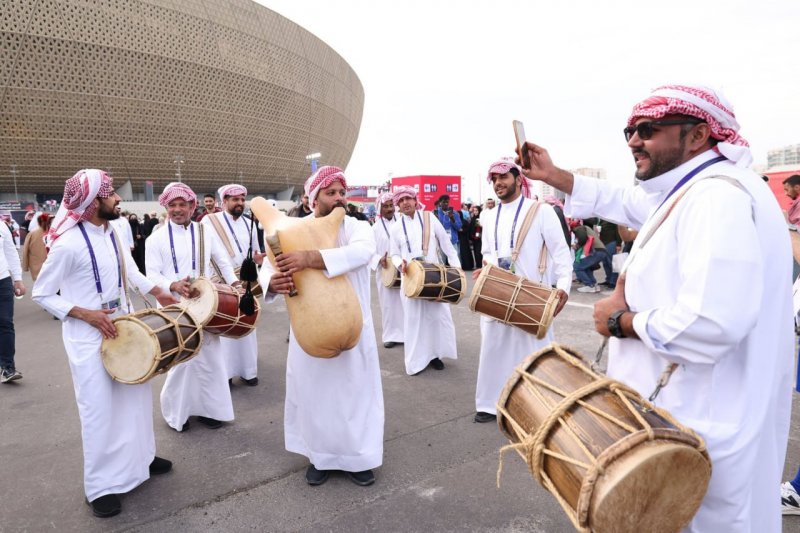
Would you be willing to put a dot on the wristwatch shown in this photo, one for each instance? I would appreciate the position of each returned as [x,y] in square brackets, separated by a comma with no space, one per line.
[614,325]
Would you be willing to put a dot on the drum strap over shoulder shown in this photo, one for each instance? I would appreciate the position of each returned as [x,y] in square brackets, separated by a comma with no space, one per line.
[202,258]
[222,235]
[426,232]
[527,222]
[123,269]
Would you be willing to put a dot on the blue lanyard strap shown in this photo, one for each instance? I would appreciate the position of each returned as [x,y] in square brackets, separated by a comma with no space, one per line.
[690,175]
[172,249]
[235,238]
[513,226]
[95,269]
[387,231]
[421,225]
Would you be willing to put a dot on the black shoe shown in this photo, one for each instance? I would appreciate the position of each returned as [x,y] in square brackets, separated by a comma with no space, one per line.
[230,382]
[9,374]
[160,466]
[210,423]
[106,506]
[389,344]
[252,382]
[316,477]
[185,427]
[481,417]
[364,478]
[437,364]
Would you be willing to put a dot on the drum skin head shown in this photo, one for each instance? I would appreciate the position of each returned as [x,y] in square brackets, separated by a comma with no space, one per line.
[388,275]
[204,306]
[139,347]
[631,497]
[414,278]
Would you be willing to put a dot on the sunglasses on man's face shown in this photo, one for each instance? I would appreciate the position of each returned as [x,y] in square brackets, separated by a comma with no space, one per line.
[645,130]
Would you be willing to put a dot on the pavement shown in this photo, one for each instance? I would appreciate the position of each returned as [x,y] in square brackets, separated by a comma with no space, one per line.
[439,470]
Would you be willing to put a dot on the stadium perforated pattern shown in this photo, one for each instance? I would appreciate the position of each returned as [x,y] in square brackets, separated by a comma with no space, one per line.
[128,85]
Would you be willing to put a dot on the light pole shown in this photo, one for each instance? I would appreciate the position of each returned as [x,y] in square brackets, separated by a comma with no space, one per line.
[313,158]
[14,173]
[179,161]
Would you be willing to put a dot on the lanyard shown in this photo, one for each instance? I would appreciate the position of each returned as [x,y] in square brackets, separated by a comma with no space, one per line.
[387,231]
[172,249]
[690,175]
[408,244]
[95,269]
[513,226]
[235,238]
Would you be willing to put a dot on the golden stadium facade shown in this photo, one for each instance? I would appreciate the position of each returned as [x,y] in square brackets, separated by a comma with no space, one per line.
[219,90]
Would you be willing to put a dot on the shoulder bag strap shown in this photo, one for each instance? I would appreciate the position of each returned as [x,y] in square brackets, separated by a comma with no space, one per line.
[527,222]
[426,232]
[222,234]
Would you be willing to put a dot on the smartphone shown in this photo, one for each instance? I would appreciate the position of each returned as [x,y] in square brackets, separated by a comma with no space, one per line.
[519,133]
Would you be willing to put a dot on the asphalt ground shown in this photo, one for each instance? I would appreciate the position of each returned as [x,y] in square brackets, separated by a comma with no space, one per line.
[439,470]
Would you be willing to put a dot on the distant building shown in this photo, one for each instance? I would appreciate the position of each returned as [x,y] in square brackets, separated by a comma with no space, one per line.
[598,173]
[788,155]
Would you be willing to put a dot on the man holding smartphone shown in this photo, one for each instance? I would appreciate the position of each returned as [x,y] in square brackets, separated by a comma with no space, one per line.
[710,317]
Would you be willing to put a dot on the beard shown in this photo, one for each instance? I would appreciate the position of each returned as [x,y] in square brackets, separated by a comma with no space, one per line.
[325,210]
[661,163]
[511,191]
[107,213]
[236,211]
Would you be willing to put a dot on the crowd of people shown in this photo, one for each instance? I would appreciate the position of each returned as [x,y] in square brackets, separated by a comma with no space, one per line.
[703,320]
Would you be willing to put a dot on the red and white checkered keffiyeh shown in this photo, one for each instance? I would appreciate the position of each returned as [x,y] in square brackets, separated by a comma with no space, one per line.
[406,191]
[704,103]
[504,165]
[177,190]
[232,189]
[382,199]
[78,202]
[321,179]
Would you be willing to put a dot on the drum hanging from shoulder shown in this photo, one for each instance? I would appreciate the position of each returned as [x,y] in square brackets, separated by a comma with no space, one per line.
[514,300]
[215,307]
[255,286]
[430,281]
[613,461]
[150,342]
[390,276]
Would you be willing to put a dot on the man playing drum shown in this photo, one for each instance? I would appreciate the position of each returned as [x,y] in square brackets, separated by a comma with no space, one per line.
[503,346]
[714,312]
[389,298]
[334,407]
[84,266]
[175,255]
[233,234]
[427,325]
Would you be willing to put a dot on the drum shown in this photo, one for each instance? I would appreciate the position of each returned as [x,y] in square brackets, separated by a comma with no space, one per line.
[215,307]
[150,342]
[613,462]
[390,276]
[255,286]
[429,281]
[514,300]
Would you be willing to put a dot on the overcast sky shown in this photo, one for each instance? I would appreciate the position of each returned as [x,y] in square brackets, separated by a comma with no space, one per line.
[444,79]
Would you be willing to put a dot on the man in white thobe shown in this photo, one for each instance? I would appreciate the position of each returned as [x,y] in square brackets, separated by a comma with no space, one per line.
[427,325]
[233,235]
[707,292]
[389,298]
[334,407]
[83,267]
[503,347]
[198,387]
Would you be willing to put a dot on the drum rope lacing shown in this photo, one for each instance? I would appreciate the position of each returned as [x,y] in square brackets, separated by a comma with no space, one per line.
[532,446]
[510,309]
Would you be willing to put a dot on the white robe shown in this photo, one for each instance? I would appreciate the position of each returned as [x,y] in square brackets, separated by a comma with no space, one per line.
[389,299]
[712,292]
[427,325]
[241,355]
[116,419]
[334,407]
[504,347]
[198,387]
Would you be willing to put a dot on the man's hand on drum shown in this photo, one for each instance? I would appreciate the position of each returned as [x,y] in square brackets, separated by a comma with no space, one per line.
[99,319]
[292,262]
[383,261]
[562,301]
[605,307]
[180,287]
[403,266]
[239,286]
[280,283]
[258,257]
[163,297]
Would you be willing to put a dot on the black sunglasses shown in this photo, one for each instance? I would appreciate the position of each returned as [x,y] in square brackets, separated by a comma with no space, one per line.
[645,130]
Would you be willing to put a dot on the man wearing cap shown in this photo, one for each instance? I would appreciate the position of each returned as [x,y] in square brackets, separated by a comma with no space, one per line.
[334,407]
[714,314]
[80,284]
[427,326]
[389,298]
[234,234]
[503,347]
[173,259]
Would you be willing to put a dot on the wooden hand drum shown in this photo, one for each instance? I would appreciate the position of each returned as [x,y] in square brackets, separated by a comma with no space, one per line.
[429,281]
